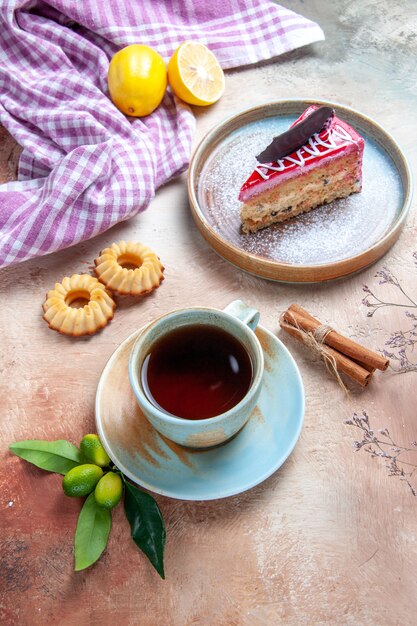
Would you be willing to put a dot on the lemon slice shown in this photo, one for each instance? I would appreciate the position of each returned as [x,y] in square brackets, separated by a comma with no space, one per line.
[195,74]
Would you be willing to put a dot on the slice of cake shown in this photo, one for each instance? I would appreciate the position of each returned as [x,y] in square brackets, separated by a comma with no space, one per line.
[316,161]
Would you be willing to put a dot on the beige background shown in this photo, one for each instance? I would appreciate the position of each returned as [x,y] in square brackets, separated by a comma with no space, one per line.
[330,538]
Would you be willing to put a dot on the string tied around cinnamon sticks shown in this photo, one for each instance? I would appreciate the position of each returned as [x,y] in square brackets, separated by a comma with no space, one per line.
[321,332]
[314,341]
[340,354]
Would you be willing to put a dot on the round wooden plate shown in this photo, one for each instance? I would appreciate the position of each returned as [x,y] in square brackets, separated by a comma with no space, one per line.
[329,242]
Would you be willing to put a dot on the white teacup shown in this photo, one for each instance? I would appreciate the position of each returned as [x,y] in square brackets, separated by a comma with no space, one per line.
[237,320]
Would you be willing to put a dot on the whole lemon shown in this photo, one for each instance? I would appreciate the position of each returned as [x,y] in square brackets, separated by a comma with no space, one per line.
[137,80]
[109,490]
[92,450]
[81,480]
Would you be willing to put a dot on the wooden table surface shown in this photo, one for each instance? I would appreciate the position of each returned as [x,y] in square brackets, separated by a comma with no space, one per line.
[331,538]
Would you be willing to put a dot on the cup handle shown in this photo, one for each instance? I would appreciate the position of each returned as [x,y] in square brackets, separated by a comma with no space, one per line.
[245,313]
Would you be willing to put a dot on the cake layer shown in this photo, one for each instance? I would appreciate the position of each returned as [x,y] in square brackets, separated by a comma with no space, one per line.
[339,139]
[328,166]
[309,189]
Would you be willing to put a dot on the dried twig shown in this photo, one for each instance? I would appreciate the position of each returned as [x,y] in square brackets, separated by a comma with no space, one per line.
[402,341]
[380,444]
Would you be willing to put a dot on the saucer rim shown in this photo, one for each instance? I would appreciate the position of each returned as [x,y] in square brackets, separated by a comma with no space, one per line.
[227,492]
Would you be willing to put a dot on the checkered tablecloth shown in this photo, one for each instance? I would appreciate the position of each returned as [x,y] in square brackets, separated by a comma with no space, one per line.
[84,165]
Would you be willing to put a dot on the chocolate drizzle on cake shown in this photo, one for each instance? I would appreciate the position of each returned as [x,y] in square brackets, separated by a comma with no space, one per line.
[297,136]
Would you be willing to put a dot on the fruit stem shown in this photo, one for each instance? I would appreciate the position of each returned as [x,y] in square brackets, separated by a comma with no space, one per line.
[117,471]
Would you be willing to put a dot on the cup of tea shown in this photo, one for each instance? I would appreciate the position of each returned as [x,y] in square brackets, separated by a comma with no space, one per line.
[197,373]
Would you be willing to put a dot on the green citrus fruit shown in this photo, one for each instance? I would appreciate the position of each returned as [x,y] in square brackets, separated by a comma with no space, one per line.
[81,480]
[93,451]
[109,490]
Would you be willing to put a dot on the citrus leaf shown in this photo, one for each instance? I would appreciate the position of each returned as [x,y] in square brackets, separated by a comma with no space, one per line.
[91,534]
[147,525]
[54,456]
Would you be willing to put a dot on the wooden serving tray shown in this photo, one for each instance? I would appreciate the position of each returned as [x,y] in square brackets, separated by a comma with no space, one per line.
[9,156]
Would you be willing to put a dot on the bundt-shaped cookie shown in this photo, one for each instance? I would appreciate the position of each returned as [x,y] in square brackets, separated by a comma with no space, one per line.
[85,320]
[144,275]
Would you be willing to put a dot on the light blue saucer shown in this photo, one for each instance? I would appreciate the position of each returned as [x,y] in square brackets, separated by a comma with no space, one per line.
[163,467]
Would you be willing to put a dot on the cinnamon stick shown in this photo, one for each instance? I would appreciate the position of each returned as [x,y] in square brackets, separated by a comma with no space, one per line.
[343,363]
[368,359]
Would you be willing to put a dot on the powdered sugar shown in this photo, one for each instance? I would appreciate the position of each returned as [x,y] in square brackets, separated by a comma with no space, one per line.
[327,234]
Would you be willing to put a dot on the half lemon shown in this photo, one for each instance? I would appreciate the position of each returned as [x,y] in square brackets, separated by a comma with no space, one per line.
[195,74]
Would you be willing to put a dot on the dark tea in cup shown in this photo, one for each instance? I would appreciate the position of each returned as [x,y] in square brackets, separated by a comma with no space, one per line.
[196,372]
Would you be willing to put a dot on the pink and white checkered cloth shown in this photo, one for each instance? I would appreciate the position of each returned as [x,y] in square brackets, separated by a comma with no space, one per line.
[84,165]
